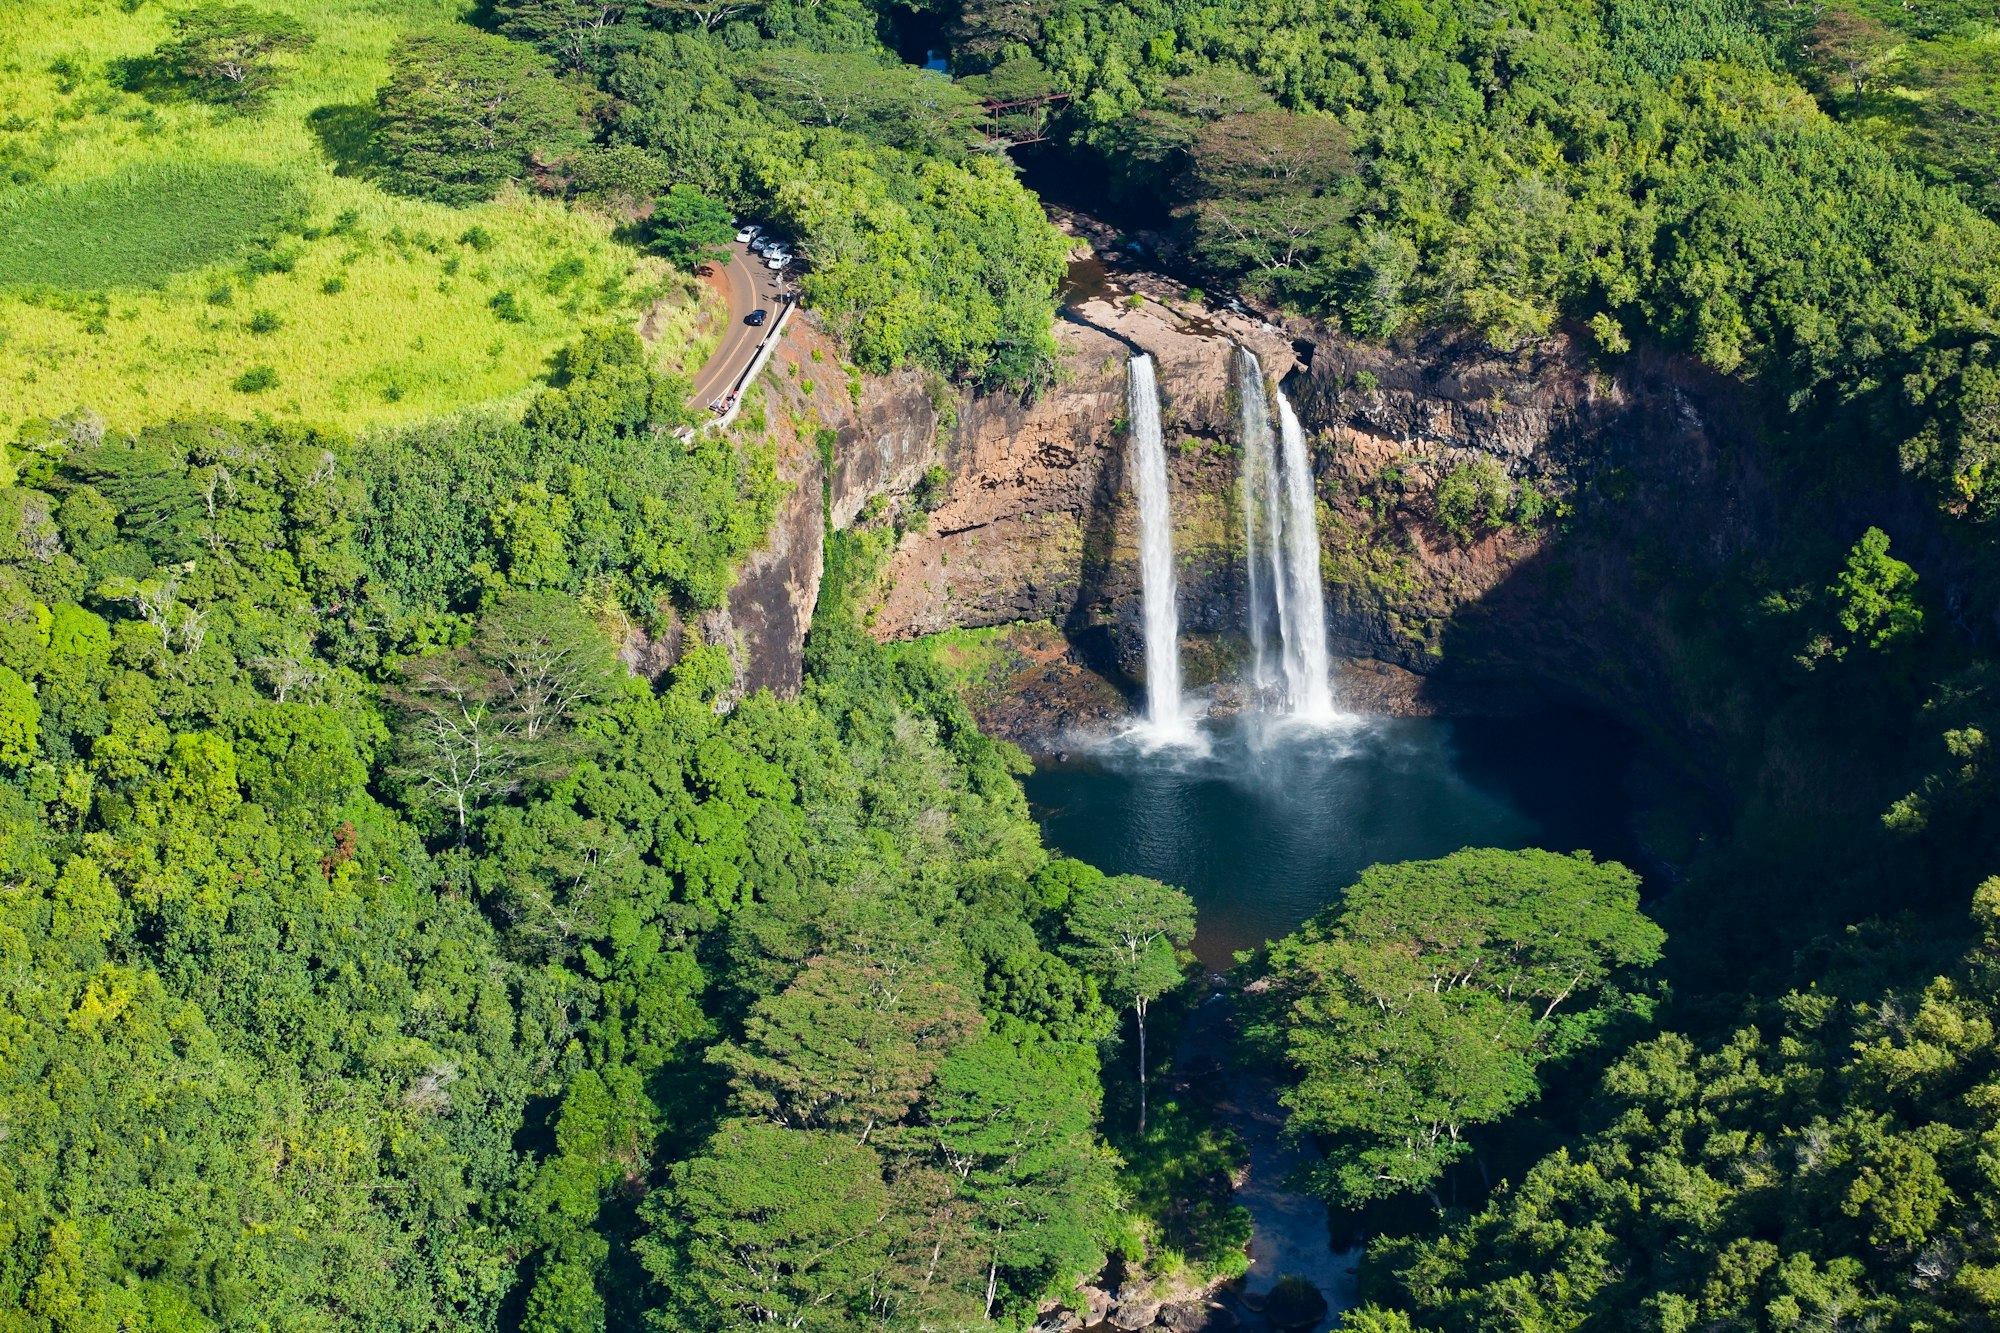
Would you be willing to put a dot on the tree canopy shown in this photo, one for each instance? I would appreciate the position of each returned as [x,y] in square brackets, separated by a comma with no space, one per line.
[464,112]
[227,54]
[1421,1006]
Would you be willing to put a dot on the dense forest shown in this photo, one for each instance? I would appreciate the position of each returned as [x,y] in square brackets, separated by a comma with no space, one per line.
[378,950]
[372,936]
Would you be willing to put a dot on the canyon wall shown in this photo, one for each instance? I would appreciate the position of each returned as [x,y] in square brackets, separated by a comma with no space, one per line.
[1038,523]
[1500,529]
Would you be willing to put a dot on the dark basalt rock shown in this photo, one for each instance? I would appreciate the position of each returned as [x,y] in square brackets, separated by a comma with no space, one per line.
[1294,1304]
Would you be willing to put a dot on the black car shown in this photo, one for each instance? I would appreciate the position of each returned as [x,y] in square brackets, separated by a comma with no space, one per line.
[756,317]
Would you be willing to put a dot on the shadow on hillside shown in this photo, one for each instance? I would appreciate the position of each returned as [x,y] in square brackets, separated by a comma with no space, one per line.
[346,133]
[149,77]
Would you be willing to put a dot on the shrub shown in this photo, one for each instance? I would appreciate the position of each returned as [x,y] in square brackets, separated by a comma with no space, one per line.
[256,379]
[1475,494]
[929,492]
[508,306]
[265,321]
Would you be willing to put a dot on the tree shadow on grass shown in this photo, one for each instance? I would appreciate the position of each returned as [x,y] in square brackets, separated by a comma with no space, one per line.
[346,133]
[149,77]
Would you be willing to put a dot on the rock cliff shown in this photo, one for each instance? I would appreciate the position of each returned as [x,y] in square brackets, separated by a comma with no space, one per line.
[1499,528]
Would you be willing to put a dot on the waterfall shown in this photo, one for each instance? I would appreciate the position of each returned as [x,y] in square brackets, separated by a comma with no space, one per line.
[1156,550]
[1308,673]
[1260,510]
[1281,527]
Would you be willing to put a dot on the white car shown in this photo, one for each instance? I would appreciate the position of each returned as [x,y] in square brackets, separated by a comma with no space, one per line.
[762,244]
[747,235]
[777,261]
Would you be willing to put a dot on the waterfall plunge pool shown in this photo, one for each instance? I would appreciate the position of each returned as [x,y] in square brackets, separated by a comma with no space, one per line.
[1269,820]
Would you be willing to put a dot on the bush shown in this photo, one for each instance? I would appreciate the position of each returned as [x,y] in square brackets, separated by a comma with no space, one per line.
[1473,495]
[929,492]
[256,379]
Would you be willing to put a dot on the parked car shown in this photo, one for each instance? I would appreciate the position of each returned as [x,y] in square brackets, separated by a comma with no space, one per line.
[747,235]
[776,262]
[762,243]
[756,318]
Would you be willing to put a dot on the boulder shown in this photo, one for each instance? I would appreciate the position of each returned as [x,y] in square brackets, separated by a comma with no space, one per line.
[1059,1321]
[1197,1316]
[1131,1316]
[1294,1304]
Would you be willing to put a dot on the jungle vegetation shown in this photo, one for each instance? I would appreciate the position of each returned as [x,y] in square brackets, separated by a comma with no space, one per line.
[376,949]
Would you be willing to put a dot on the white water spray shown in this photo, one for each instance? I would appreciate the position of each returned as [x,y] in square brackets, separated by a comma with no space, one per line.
[1156,551]
[1281,526]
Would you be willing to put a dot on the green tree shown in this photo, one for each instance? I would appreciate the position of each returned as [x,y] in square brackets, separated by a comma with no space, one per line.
[1012,1126]
[1874,598]
[768,1226]
[1421,1006]
[456,749]
[850,1045]
[690,228]
[20,719]
[554,664]
[228,53]
[574,32]
[1269,191]
[705,14]
[1127,931]
[564,1297]
[464,112]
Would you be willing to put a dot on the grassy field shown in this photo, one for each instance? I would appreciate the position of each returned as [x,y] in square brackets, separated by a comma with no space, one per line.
[158,256]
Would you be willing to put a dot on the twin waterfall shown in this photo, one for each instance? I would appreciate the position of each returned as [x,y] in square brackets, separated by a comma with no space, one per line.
[1281,536]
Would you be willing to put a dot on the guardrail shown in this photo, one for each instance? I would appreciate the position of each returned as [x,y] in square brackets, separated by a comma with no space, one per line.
[757,363]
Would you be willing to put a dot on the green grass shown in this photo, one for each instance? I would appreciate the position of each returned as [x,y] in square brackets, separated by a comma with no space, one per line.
[141,235]
[139,225]
[973,659]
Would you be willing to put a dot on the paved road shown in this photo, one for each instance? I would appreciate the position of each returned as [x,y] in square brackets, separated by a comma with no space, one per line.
[751,287]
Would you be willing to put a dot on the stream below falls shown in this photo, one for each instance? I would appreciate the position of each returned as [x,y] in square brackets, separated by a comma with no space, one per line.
[1265,820]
